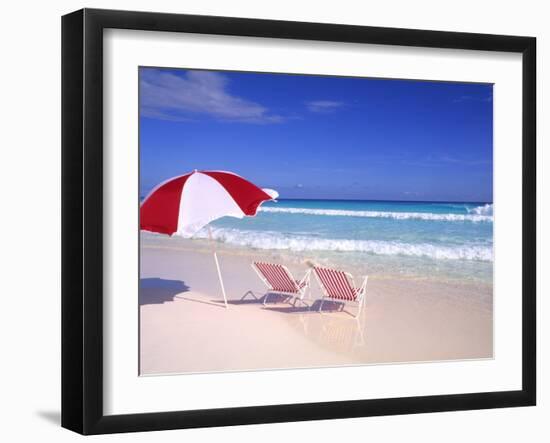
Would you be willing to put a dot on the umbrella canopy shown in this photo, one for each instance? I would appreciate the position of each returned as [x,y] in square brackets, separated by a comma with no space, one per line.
[183,205]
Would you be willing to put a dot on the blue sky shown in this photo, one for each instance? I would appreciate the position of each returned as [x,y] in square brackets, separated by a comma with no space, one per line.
[320,137]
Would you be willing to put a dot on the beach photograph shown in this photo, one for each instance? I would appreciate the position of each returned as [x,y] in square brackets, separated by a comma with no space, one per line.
[294,221]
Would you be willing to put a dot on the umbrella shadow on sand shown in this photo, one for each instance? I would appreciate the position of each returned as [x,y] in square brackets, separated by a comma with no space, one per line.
[154,291]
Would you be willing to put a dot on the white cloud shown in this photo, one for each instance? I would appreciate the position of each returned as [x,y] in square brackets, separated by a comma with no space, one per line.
[323,106]
[168,96]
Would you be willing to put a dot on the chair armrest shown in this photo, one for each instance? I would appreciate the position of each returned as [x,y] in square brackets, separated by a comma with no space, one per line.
[363,286]
[306,276]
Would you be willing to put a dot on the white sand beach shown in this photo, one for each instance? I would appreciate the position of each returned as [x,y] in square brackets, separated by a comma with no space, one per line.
[185,328]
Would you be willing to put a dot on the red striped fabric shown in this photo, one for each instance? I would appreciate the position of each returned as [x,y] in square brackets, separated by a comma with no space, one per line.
[336,284]
[247,195]
[160,211]
[278,278]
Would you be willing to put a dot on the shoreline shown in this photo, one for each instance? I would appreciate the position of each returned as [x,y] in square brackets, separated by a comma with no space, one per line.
[378,265]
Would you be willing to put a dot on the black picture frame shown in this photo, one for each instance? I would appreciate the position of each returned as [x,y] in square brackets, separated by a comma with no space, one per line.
[82,216]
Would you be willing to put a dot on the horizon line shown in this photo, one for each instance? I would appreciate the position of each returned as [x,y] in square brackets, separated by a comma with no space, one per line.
[389,200]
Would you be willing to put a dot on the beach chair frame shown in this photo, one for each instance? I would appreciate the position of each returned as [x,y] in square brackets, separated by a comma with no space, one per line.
[300,288]
[359,291]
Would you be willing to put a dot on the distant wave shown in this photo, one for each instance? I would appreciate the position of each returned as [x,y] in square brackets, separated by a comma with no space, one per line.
[278,241]
[471,217]
[486,209]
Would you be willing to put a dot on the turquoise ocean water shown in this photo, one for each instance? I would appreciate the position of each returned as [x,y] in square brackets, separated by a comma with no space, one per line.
[425,239]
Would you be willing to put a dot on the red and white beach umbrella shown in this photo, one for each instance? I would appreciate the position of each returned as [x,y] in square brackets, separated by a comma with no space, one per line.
[184,204]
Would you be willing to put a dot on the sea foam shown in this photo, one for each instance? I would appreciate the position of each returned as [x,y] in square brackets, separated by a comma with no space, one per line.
[486,210]
[277,241]
[480,214]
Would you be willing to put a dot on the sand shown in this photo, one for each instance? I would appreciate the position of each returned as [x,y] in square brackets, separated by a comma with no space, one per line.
[185,328]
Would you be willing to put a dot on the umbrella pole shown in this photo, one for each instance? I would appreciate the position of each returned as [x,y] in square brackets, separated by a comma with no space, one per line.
[217,266]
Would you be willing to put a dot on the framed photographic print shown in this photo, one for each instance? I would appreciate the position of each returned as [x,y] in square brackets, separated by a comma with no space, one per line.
[269,221]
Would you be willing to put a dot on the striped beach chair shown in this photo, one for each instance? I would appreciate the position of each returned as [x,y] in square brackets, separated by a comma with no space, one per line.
[279,280]
[339,286]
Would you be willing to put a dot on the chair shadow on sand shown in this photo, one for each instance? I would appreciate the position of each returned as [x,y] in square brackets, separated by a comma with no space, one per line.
[287,304]
[258,298]
[154,291]
[313,307]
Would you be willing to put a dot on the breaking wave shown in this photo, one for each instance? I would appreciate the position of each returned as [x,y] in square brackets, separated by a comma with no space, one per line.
[479,214]
[276,241]
[486,209]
